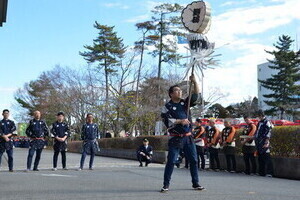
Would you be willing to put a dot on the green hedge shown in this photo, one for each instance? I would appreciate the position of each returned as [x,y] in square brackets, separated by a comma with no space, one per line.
[285,142]
[157,142]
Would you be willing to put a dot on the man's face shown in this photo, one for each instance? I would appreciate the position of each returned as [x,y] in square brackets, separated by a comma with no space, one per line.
[176,94]
[145,143]
[227,124]
[90,118]
[248,121]
[260,117]
[37,115]
[60,118]
[5,115]
[212,123]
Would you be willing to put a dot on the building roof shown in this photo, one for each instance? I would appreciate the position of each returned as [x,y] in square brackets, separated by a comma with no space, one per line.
[3,11]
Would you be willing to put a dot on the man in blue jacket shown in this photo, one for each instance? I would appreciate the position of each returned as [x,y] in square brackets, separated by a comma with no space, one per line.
[60,132]
[175,117]
[89,135]
[262,142]
[36,131]
[7,130]
[145,153]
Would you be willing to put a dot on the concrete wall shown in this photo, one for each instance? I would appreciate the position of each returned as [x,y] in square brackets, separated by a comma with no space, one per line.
[283,167]
[158,156]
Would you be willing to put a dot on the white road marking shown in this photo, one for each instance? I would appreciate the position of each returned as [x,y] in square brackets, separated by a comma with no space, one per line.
[57,175]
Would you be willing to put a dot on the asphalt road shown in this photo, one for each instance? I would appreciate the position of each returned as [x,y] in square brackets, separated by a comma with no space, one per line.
[123,179]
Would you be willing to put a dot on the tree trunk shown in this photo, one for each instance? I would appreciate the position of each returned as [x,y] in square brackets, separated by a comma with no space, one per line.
[160,56]
[106,98]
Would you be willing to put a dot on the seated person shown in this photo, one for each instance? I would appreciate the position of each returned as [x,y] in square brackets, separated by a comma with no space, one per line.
[145,153]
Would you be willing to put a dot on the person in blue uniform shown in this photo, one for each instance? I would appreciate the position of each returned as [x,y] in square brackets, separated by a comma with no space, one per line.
[89,135]
[37,130]
[7,130]
[60,132]
[175,117]
[262,142]
[144,153]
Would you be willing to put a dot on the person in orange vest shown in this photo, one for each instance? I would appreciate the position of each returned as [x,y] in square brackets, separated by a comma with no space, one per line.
[249,148]
[199,135]
[213,138]
[228,144]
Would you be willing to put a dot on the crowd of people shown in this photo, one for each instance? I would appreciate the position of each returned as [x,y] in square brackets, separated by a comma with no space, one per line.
[254,140]
[37,131]
[184,140]
[194,142]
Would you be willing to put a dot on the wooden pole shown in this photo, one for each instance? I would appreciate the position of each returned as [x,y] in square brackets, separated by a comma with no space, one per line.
[190,94]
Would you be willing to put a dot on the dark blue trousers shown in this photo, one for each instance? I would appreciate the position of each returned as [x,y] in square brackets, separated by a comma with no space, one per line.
[190,152]
[37,157]
[84,153]
[10,158]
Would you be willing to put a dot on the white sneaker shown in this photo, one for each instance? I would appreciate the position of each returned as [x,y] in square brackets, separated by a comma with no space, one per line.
[54,169]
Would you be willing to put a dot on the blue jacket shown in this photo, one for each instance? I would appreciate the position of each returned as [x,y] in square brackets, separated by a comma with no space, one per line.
[7,127]
[173,111]
[37,129]
[60,129]
[89,132]
[263,133]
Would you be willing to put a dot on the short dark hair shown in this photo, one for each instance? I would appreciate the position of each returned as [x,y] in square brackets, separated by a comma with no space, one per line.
[260,113]
[246,117]
[145,140]
[60,113]
[5,110]
[198,120]
[87,115]
[171,89]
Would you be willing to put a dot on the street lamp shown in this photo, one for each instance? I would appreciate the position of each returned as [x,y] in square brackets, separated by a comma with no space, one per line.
[3,11]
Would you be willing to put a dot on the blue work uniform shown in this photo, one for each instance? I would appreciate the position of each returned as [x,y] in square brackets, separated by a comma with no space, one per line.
[262,138]
[60,130]
[89,135]
[148,153]
[36,131]
[180,137]
[7,127]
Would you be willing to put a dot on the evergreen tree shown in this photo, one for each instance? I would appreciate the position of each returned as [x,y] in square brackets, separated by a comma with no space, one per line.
[218,111]
[167,22]
[285,93]
[39,95]
[107,51]
[140,46]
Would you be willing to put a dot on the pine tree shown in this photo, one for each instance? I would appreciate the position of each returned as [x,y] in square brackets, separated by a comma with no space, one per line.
[107,51]
[285,92]
[168,22]
[140,46]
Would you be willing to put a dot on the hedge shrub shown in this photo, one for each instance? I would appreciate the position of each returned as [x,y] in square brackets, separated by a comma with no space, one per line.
[157,142]
[285,142]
